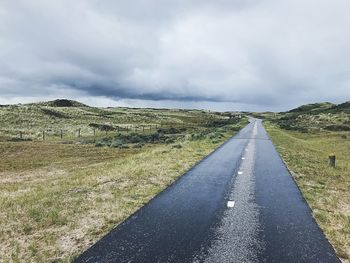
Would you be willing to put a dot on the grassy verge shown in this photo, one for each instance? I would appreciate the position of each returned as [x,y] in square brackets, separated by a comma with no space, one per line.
[326,189]
[58,199]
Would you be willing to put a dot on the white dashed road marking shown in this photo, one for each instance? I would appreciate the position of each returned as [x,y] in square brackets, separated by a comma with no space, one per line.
[231,204]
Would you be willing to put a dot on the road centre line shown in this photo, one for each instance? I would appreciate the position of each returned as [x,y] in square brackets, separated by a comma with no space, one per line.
[230,204]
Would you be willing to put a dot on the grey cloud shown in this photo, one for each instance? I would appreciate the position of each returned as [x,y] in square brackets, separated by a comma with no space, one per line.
[264,54]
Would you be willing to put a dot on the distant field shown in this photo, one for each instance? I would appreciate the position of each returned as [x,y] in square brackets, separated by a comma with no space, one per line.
[71,118]
[60,195]
[326,189]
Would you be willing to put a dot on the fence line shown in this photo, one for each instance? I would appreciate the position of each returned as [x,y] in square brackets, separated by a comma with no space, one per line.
[94,132]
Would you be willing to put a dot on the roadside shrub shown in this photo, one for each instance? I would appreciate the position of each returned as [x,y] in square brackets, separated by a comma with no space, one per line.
[171,130]
[197,136]
[231,128]
[288,126]
[169,140]
[221,122]
[17,139]
[338,127]
[215,135]
[102,127]
[216,140]
[103,142]
[116,144]
[99,144]
[141,138]
[87,141]
[136,138]
[67,142]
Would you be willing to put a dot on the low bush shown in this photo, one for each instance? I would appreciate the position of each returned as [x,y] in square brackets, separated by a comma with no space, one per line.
[197,136]
[99,144]
[338,127]
[53,113]
[17,139]
[102,127]
[135,138]
[138,145]
[117,143]
[215,135]
[171,130]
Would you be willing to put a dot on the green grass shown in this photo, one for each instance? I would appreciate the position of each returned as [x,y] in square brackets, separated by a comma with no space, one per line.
[58,197]
[326,189]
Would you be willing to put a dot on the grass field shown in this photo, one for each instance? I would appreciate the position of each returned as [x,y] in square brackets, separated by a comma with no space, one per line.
[70,117]
[326,189]
[59,196]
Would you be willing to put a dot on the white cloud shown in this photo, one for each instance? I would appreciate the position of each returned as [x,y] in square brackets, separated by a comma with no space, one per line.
[259,54]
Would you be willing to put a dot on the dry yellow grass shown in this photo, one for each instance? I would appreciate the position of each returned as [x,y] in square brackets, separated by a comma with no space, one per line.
[56,200]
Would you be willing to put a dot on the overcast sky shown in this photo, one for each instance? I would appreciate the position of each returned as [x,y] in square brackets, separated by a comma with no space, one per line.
[222,54]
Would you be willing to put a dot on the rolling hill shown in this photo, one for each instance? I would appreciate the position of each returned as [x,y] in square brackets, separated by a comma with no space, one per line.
[316,117]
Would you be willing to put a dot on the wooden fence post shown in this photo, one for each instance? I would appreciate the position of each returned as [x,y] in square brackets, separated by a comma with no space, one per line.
[332,160]
[78,133]
[43,135]
[61,134]
[21,135]
[94,132]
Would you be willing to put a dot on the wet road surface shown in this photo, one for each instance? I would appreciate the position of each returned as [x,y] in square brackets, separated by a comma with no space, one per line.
[239,204]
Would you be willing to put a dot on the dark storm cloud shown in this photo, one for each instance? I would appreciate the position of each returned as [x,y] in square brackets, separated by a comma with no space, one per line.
[268,54]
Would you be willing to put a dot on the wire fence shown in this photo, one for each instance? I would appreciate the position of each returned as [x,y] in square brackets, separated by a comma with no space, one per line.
[88,132]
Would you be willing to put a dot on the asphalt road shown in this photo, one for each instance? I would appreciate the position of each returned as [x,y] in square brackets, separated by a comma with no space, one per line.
[239,204]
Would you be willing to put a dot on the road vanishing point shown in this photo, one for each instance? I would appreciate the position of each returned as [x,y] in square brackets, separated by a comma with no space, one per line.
[239,204]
